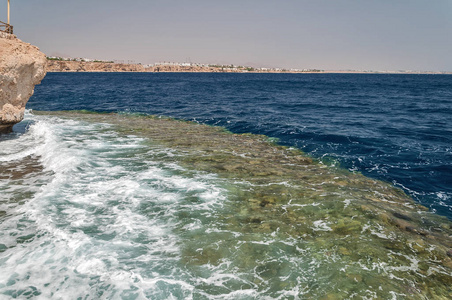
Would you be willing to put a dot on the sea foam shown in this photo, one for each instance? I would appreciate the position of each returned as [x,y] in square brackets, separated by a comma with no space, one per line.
[103,225]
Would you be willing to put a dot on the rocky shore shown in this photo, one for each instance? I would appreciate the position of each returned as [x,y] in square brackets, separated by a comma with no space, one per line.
[83,66]
[22,66]
[99,66]
[79,66]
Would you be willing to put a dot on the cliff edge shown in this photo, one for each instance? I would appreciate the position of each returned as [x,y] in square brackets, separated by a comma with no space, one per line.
[22,66]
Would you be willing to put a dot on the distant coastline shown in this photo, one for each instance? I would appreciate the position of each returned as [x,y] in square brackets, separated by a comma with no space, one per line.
[85,65]
[98,66]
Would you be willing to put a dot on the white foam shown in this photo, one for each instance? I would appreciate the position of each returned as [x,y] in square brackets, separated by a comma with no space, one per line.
[321,225]
[108,208]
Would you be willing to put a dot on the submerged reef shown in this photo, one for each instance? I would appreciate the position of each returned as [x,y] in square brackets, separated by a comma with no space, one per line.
[294,227]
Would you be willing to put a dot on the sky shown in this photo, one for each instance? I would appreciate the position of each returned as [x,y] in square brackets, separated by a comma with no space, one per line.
[304,34]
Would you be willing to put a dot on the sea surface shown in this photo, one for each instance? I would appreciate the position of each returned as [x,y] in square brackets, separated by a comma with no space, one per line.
[280,186]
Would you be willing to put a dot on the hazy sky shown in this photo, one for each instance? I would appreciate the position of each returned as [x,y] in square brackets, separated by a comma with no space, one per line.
[323,34]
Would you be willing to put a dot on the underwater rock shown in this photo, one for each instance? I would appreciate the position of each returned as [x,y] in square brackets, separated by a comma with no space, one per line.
[401,216]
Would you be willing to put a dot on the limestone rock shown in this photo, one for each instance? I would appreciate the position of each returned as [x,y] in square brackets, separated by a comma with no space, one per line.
[22,66]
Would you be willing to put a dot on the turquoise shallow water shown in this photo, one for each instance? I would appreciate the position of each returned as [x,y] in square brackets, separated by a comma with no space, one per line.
[99,206]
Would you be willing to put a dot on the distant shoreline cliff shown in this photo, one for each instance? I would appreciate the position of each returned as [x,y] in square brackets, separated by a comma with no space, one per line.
[77,66]
[100,66]
[22,66]
[95,66]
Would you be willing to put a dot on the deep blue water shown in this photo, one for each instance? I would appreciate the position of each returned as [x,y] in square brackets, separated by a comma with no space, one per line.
[395,128]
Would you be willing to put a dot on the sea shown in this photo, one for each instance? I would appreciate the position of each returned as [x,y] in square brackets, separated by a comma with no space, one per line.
[229,186]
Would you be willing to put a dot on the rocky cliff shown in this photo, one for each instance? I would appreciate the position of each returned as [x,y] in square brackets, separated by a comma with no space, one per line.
[80,66]
[22,66]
